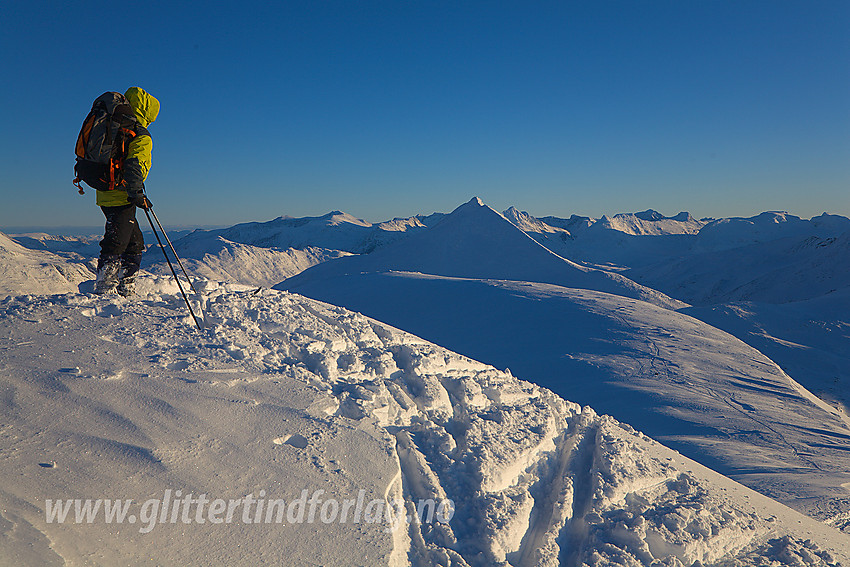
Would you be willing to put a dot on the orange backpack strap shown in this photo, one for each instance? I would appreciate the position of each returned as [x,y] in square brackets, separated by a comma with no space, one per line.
[116,165]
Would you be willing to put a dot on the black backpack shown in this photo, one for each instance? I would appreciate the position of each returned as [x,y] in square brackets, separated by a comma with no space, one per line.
[102,143]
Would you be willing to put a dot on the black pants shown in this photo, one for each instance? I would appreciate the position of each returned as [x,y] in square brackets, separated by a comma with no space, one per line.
[122,238]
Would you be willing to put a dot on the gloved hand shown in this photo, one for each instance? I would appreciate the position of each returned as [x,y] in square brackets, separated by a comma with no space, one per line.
[140,200]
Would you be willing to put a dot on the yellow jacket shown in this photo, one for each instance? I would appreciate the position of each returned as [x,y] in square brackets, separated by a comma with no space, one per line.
[138,161]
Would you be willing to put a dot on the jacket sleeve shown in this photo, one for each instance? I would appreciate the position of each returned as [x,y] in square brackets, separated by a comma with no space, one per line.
[138,163]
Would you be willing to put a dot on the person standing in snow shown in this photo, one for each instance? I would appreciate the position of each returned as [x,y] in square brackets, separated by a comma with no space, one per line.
[122,245]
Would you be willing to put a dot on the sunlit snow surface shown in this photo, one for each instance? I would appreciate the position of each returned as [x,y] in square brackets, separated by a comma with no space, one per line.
[127,399]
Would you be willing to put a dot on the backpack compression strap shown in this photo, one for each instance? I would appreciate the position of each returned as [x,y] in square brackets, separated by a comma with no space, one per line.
[116,164]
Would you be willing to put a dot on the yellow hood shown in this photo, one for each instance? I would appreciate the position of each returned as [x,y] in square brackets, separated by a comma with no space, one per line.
[144,105]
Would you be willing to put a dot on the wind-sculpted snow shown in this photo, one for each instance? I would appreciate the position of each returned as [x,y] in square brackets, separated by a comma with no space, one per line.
[282,393]
[690,385]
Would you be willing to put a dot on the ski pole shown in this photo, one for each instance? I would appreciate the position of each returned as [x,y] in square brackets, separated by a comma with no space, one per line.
[170,265]
[173,251]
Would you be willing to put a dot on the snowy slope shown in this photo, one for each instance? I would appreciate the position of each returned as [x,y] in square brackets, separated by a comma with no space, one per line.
[648,222]
[280,394]
[222,260]
[476,241]
[534,226]
[694,387]
[32,271]
[809,339]
[266,253]
[66,246]
[794,268]
[733,232]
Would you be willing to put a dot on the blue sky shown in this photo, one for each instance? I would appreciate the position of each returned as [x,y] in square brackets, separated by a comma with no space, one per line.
[394,108]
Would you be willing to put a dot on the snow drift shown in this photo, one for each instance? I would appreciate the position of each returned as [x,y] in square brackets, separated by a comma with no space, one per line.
[697,389]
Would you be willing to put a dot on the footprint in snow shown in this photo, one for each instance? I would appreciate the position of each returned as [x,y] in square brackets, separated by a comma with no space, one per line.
[178,365]
[296,440]
[110,310]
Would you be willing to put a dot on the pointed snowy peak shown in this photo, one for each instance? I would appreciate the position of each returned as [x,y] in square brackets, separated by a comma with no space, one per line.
[475,216]
[473,241]
[472,208]
[520,219]
[513,214]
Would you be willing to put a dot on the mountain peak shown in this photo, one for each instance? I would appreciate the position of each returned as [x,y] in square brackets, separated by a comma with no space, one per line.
[474,208]
[472,204]
[334,218]
[649,215]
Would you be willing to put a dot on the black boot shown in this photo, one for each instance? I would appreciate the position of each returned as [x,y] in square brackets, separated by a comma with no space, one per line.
[107,274]
[130,266]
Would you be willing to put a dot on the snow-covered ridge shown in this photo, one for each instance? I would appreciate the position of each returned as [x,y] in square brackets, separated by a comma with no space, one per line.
[136,402]
[788,269]
[774,257]
[223,260]
[24,270]
[334,231]
[475,241]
